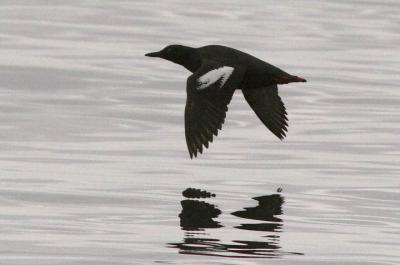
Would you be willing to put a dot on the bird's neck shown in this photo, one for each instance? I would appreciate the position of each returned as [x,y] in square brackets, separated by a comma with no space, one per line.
[190,59]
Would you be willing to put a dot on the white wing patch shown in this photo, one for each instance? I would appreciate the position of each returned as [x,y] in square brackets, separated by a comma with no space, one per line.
[209,78]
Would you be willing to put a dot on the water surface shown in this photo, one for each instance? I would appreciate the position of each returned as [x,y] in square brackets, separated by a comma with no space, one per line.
[94,159]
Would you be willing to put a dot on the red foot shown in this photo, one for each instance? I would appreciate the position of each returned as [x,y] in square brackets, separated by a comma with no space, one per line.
[287,80]
[299,79]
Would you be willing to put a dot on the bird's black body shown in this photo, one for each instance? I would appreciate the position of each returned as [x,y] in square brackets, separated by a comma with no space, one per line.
[217,72]
[258,73]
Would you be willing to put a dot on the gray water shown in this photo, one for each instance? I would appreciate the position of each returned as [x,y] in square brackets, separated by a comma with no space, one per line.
[93,155]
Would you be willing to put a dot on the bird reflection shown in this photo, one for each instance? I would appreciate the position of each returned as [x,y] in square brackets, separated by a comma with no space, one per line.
[268,208]
[197,216]
[237,249]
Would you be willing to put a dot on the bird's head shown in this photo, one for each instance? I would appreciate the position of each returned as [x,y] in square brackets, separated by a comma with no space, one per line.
[179,54]
[170,53]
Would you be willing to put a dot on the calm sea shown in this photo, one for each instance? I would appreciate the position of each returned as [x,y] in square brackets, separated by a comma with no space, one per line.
[93,157]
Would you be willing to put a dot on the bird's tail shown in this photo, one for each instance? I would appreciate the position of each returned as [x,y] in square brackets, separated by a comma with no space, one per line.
[298,79]
[288,79]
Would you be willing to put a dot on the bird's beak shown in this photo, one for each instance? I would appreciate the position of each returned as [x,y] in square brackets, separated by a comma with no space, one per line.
[153,54]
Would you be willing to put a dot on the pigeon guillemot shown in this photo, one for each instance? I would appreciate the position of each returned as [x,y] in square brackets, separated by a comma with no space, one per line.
[217,72]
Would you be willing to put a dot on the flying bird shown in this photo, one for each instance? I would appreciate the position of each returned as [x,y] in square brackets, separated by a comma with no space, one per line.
[216,72]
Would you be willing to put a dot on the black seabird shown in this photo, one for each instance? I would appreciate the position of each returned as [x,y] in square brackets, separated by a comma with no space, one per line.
[217,72]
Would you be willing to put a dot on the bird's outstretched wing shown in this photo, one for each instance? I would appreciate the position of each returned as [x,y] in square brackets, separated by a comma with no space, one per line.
[269,107]
[209,91]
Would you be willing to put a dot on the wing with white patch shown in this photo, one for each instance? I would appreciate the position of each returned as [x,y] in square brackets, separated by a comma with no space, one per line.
[209,91]
[220,75]
[269,107]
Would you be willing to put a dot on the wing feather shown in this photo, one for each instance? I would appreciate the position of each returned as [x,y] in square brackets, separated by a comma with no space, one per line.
[208,96]
[269,108]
